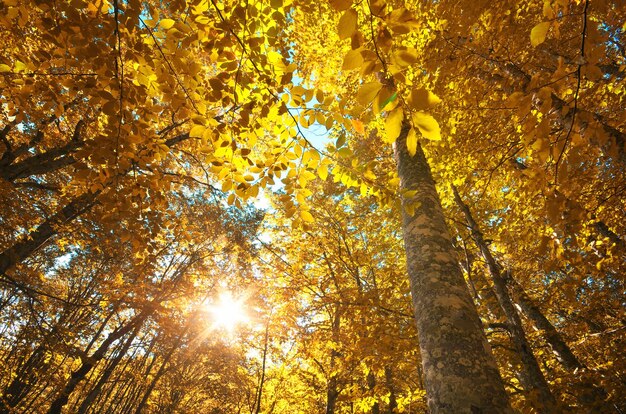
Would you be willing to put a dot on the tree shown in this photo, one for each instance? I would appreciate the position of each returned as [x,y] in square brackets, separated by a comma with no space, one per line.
[127,127]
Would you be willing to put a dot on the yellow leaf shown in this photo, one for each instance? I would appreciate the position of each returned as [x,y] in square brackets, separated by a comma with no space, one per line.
[367,92]
[427,125]
[166,23]
[197,131]
[538,33]
[322,171]
[411,142]
[306,216]
[353,60]
[4,68]
[404,58]
[423,99]
[347,24]
[393,125]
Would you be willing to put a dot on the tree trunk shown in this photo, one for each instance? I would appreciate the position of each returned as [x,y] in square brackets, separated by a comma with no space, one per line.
[393,403]
[259,397]
[460,373]
[531,375]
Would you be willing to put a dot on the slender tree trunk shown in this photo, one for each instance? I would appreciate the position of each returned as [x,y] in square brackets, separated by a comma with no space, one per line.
[393,403]
[91,361]
[560,348]
[158,375]
[531,376]
[371,385]
[460,372]
[93,394]
[259,396]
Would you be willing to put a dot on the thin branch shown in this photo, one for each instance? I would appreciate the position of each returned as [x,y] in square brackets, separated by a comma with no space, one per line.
[576,95]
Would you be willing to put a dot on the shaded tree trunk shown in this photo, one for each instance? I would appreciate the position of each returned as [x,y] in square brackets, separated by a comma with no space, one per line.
[259,395]
[460,373]
[30,243]
[531,375]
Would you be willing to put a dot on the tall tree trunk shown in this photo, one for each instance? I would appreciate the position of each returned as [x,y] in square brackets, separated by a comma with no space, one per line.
[531,376]
[393,403]
[159,373]
[259,395]
[460,372]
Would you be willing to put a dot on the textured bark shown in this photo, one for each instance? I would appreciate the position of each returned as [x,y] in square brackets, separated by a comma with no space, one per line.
[531,376]
[45,162]
[460,373]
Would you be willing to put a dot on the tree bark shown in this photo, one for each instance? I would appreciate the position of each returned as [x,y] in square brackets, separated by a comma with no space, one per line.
[460,373]
[531,376]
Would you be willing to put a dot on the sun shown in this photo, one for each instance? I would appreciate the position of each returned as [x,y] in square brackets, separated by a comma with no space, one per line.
[228,312]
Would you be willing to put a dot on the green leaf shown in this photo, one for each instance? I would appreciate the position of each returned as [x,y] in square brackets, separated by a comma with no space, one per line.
[389,100]
[427,125]
[538,33]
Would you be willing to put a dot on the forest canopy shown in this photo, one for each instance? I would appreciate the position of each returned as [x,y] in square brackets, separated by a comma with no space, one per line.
[298,206]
